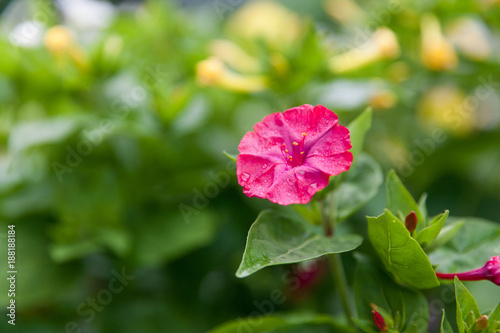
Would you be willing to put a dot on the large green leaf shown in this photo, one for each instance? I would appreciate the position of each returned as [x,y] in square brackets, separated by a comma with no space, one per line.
[358,128]
[475,243]
[282,236]
[400,201]
[408,309]
[400,253]
[430,233]
[283,324]
[467,310]
[166,237]
[357,188]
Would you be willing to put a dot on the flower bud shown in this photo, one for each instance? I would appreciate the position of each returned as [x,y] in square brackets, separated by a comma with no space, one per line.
[411,222]
[437,51]
[379,321]
[213,72]
[481,323]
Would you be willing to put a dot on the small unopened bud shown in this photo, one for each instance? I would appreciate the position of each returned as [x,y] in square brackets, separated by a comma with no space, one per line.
[378,320]
[411,222]
[481,323]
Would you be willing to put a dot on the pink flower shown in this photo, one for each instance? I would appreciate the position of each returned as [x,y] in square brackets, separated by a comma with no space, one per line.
[291,155]
[490,271]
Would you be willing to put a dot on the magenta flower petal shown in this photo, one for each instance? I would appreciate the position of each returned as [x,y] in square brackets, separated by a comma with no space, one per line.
[314,121]
[289,156]
[330,154]
[256,173]
[297,185]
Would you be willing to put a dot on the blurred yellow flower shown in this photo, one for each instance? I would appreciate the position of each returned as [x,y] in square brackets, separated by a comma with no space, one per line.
[61,42]
[382,45]
[437,52]
[213,72]
[266,20]
[234,56]
[470,36]
[447,107]
[383,99]
[347,12]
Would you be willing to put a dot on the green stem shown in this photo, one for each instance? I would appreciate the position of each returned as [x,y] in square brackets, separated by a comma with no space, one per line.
[336,263]
[341,283]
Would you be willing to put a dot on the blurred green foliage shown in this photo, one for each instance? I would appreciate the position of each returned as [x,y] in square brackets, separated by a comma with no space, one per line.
[111,144]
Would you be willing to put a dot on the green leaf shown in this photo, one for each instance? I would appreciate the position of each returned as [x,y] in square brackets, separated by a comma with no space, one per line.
[47,131]
[467,310]
[357,188]
[422,205]
[475,244]
[358,128]
[282,236]
[365,325]
[445,325]
[282,324]
[400,201]
[166,237]
[446,234]
[232,157]
[408,309]
[429,234]
[494,320]
[400,253]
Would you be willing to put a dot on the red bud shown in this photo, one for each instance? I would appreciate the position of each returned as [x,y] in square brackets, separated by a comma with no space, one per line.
[411,222]
[379,321]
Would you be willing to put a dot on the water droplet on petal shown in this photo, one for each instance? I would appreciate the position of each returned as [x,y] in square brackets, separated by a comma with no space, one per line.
[312,188]
[300,173]
[264,166]
[244,177]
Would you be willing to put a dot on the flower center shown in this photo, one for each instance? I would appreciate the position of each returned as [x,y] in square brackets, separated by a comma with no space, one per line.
[295,157]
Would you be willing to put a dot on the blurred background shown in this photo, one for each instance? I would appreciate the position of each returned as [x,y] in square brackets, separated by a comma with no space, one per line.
[114,116]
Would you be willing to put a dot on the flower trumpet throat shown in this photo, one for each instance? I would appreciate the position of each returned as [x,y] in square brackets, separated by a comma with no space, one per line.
[490,271]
